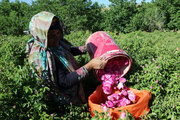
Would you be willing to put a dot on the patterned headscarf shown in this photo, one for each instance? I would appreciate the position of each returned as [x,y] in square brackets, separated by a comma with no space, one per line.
[40,56]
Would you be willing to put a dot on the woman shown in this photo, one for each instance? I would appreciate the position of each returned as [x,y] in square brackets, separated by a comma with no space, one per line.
[51,59]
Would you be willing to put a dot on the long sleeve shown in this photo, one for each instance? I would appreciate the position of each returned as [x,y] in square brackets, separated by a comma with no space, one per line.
[78,50]
[66,79]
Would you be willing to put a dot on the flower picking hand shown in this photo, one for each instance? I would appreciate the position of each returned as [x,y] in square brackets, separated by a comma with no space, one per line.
[96,63]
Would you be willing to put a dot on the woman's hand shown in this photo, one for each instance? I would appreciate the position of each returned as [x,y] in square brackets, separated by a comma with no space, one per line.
[96,63]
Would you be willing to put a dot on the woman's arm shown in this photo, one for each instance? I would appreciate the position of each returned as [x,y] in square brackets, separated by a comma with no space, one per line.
[66,79]
[78,50]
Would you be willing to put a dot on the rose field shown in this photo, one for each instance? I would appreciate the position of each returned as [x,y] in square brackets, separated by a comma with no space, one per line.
[155,67]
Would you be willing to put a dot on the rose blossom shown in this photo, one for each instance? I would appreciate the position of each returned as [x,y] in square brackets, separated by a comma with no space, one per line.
[123,115]
[120,85]
[122,80]
[131,95]
[111,80]
[173,106]
[124,92]
[104,109]
[113,97]
[107,76]
[109,104]
[123,102]
[14,106]
[107,89]
[115,102]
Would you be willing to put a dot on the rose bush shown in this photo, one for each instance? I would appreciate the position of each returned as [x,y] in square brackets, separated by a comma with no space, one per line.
[155,65]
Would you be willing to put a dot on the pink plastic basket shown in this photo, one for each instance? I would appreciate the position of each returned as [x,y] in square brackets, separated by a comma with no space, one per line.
[100,44]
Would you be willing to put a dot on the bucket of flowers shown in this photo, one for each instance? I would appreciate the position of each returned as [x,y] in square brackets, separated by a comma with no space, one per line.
[114,95]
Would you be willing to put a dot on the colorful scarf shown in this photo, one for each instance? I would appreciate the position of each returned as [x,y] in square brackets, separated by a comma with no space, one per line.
[40,56]
[42,62]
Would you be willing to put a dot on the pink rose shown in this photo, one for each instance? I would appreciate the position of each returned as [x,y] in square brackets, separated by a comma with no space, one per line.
[107,89]
[107,83]
[122,80]
[107,76]
[127,102]
[110,97]
[112,81]
[104,109]
[131,95]
[123,115]
[103,77]
[109,104]
[14,106]
[115,102]
[120,85]
[124,92]
[124,102]
[118,104]
[113,97]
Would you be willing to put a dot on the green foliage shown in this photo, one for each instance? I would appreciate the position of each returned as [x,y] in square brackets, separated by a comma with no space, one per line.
[74,14]
[119,15]
[71,12]
[171,10]
[19,95]
[23,96]
[149,18]
[14,17]
[155,67]
[101,116]
[155,55]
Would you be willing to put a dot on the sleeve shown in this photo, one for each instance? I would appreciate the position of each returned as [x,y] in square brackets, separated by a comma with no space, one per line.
[78,50]
[66,79]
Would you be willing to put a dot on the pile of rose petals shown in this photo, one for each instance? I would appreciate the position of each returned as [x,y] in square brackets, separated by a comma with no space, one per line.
[112,81]
[114,67]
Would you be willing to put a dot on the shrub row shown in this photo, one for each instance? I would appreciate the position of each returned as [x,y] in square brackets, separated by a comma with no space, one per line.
[155,67]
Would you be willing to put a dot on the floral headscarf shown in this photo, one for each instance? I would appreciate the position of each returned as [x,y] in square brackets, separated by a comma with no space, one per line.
[40,56]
